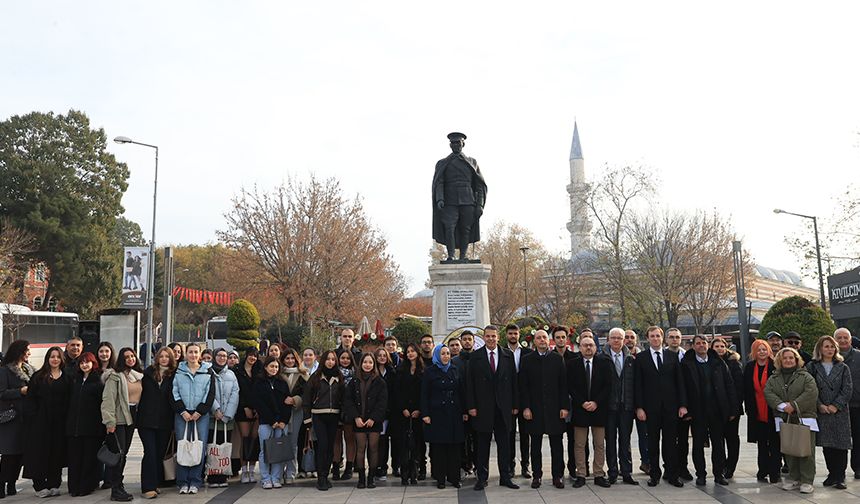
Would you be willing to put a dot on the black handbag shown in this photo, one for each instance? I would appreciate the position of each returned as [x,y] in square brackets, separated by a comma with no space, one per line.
[109,457]
[279,449]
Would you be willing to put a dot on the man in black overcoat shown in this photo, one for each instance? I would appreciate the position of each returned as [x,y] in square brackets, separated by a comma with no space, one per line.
[491,398]
[544,402]
[711,400]
[512,335]
[661,400]
[589,383]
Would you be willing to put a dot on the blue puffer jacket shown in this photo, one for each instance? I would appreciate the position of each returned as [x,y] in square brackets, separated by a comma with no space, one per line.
[194,392]
[226,395]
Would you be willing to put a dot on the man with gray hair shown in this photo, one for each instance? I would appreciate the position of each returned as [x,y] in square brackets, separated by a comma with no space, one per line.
[619,424]
[851,358]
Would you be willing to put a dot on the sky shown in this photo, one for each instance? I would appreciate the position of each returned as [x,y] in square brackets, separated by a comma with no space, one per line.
[737,106]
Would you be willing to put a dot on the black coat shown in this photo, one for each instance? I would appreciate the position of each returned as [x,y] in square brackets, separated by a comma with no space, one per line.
[723,400]
[11,433]
[486,391]
[375,406]
[85,401]
[736,371]
[405,395]
[601,387]
[269,397]
[442,401]
[659,391]
[246,389]
[155,410]
[543,390]
[622,394]
[45,411]
[390,382]
[750,400]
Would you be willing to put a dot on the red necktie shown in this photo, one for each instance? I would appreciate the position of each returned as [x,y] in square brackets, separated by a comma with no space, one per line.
[493,361]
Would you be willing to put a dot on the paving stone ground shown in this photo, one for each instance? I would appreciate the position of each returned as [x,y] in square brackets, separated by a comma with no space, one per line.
[743,489]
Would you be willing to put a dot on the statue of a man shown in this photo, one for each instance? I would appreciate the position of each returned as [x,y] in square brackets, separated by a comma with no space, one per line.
[459,195]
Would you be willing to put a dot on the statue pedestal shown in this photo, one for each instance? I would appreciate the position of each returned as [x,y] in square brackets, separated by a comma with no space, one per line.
[459,297]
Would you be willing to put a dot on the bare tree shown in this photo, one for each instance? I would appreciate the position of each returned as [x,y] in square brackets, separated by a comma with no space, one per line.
[15,246]
[506,286]
[611,202]
[558,297]
[316,249]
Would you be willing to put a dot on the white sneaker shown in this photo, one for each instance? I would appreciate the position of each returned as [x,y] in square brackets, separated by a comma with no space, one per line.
[55,492]
[267,485]
[192,490]
[384,477]
[790,485]
[183,490]
[43,493]
[277,484]
[244,478]
[806,488]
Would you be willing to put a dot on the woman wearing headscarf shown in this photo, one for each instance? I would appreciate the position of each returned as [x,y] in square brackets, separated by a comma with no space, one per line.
[760,424]
[834,421]
[792,391]
[444,415]
[224,408]
[365,404]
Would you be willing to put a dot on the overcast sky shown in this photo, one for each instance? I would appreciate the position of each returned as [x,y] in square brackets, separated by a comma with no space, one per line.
[739,106]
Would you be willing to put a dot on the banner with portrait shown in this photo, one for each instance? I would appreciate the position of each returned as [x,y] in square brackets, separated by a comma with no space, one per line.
[135,274]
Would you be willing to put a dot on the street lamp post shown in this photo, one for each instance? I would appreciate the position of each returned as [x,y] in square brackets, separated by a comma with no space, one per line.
[817,252]
[525,250]
[150,295]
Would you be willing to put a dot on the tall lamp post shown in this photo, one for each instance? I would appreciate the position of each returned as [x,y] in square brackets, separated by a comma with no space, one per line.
[150,295]
[525,251]
[817,252]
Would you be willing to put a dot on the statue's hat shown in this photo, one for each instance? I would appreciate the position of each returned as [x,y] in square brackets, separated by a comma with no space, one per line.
[456,136]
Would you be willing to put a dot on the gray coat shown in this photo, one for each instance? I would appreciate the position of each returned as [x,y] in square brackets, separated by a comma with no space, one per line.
[621,397]
[852,360]
[834,430]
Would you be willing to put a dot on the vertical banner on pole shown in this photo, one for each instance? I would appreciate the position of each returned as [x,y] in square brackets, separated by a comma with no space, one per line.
[135,274]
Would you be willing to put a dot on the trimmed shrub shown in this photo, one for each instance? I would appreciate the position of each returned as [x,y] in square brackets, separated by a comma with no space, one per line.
[797,314]
[409,330]
[243,322]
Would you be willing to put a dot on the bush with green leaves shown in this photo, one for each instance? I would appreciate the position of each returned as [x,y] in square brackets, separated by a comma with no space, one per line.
[243,323]
[796,313]
[409,330]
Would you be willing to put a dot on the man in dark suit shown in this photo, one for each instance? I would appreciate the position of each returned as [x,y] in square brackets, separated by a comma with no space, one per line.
[461,362]
[544,401]
[661,400]
[619,423]
[589,382]
[560,336]
[711,397]
[512,334]
[491,398]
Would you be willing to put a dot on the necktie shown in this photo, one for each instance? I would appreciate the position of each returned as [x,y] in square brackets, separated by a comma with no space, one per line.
[659,361]
[618,364]
[493,361]
[588,378]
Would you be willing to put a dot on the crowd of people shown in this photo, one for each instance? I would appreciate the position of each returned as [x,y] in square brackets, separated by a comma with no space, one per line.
[345,413]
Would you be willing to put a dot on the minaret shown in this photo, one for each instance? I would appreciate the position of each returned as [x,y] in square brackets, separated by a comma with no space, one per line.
[579,225]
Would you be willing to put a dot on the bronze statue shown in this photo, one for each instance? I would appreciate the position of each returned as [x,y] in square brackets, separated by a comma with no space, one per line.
[459,195]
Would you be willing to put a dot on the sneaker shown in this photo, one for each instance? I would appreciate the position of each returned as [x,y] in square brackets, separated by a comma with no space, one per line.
[192,489]
[277,484]
[244,477]
[43,493]
[267,485]
[384,477]
[289,481]
[183,490]
[790,485]
[806,488]
[55,492]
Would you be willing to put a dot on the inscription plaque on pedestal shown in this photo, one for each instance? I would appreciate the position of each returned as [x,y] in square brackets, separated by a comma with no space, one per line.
[460,308]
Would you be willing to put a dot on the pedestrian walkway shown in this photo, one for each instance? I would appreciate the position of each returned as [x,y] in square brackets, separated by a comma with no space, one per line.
[743,489]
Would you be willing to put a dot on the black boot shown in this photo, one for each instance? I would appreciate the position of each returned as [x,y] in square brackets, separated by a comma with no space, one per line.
[321,483]
[371,481]
[362,483]
[2,491]
[119,495]
[335,471]
[347,472]
[10,489]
